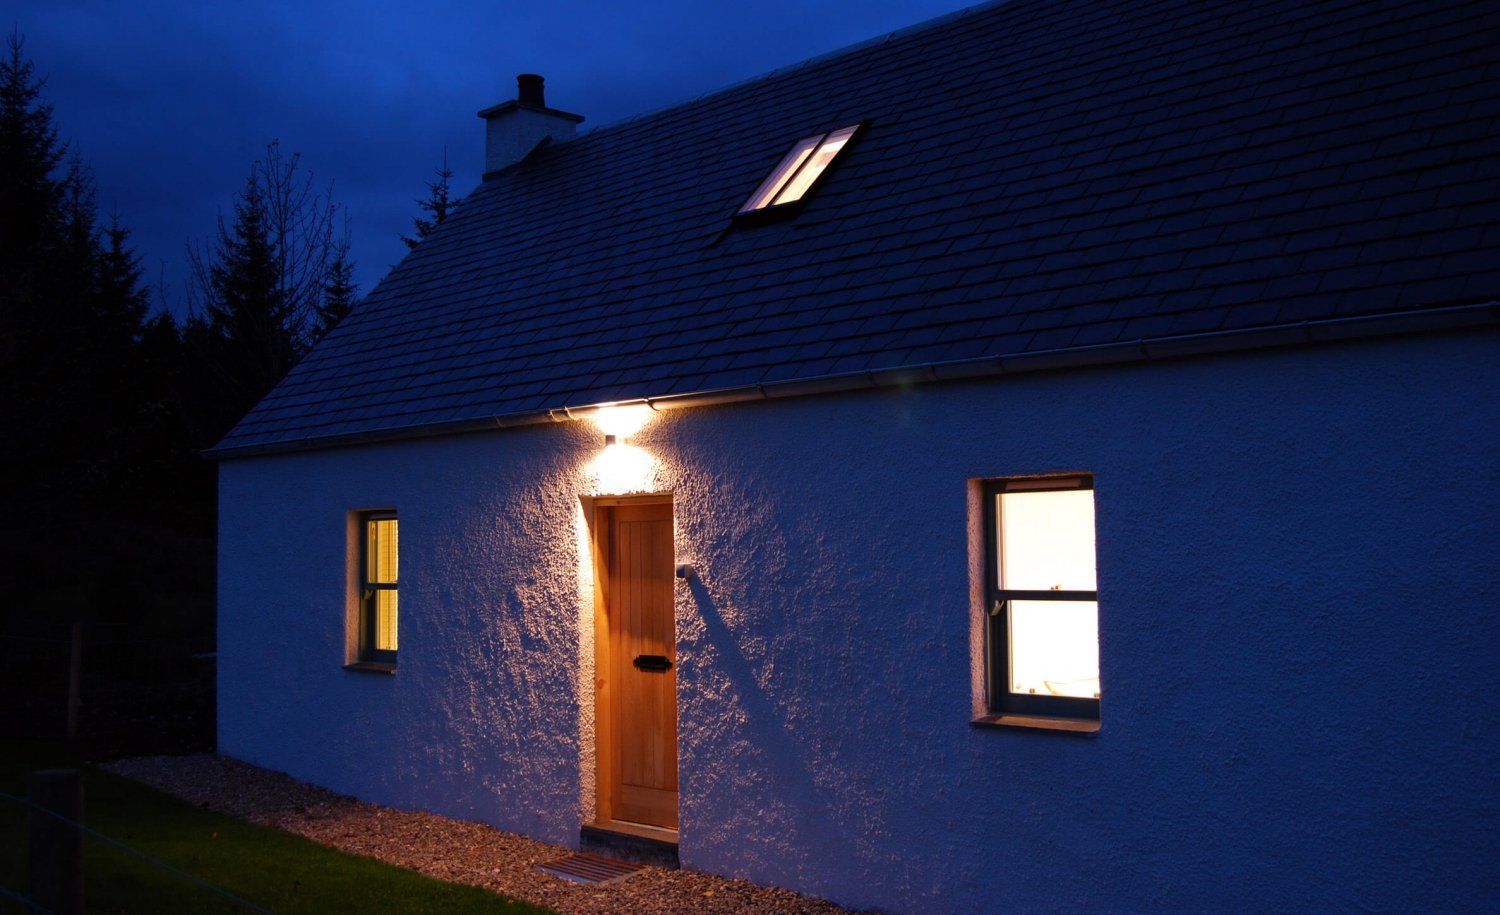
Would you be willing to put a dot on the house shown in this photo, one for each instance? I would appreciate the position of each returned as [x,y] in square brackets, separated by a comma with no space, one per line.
[1044,459]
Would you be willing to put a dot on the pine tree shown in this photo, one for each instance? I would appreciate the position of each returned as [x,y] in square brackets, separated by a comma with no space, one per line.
[30,215]
[110,510]
[260,289]
[67,323]
[437,205]
[29,155]
[137,399]
[122,303]
[339,293]
[253,327]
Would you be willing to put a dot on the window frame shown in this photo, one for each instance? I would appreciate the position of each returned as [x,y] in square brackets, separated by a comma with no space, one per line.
[998,697]
[787,171]
[368,653]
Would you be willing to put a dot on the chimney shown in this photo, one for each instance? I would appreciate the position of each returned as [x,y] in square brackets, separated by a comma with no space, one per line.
[529,91]
[514,129]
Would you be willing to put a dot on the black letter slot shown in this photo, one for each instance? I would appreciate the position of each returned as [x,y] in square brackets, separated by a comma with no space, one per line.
[652,662]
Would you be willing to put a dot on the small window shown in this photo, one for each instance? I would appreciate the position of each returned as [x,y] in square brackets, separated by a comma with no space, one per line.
[379,562]
[799,170]
[1043,601]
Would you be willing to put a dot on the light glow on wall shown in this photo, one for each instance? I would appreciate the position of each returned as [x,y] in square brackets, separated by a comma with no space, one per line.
[585,683]
[622,470]
[621,421]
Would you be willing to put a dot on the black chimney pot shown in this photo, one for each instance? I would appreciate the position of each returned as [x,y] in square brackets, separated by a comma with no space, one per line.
[530,94]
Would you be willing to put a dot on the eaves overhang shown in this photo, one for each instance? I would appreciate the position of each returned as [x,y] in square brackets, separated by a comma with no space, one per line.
[1154,349]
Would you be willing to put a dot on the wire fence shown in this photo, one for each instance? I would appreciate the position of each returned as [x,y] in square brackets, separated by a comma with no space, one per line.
[106,853]
[119,689]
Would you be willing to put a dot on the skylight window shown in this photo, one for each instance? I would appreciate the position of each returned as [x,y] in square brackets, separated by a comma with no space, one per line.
[799,170]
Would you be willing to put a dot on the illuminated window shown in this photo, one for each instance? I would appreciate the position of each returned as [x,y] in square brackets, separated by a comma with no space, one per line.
[1043,601]
[379,559]
[799,170]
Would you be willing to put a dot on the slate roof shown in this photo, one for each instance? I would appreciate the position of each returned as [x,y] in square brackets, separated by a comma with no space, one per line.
[1034,176]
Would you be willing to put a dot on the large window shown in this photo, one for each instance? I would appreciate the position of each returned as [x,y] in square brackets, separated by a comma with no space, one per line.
[379,561]
[798,170]
[1042,597]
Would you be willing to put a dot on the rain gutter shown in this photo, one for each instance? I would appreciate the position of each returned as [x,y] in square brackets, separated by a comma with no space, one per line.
[1145,350]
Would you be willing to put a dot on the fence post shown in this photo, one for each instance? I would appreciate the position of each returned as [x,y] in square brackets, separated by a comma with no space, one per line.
[75,676]
[55,871]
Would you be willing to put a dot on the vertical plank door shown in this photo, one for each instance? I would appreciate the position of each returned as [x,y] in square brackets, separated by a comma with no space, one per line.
[643,659]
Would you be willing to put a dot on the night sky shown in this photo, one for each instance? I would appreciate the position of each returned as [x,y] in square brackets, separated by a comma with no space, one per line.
[169,103]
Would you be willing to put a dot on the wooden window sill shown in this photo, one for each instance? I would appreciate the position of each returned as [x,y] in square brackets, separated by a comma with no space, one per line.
[1083,726]
[371,667]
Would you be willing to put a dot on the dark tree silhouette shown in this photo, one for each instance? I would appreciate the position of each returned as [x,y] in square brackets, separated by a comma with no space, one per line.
[109,518]
[29,157]
[339,293]
[257,329]
[71,308]
[436,206]
[259,291]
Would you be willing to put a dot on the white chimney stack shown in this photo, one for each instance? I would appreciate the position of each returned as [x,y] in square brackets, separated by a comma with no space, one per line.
[513,129]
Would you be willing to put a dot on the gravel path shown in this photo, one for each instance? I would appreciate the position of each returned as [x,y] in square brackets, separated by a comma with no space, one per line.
[451,850]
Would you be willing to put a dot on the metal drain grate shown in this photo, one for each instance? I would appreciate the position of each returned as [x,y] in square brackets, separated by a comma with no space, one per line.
[587,867]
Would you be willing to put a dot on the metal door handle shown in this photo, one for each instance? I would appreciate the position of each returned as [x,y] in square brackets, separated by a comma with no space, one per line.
[652,662]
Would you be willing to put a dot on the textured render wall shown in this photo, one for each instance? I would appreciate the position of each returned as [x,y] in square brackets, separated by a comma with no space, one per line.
[1297,593]
[481,720]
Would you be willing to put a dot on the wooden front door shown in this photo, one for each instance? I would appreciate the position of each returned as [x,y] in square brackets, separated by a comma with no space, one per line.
[637,665]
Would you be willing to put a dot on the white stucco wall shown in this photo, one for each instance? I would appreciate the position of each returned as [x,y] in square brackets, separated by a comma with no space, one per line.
[1297,591]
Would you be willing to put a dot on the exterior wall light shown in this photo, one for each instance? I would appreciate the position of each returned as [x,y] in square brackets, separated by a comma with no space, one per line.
[621,468]
[619,422]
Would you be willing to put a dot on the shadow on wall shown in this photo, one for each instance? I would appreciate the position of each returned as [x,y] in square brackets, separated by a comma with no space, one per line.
[761,798]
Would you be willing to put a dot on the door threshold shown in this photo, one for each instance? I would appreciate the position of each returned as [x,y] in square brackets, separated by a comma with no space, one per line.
[639,830]
[631,841]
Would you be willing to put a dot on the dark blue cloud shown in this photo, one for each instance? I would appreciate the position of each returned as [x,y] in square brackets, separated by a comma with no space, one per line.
[170,102]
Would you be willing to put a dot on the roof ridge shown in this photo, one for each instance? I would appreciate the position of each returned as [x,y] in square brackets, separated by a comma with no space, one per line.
[803,64]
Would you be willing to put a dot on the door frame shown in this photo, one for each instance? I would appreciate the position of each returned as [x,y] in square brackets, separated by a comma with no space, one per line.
[601,525]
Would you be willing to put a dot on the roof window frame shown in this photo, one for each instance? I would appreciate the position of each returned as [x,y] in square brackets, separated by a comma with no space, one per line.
[800,170]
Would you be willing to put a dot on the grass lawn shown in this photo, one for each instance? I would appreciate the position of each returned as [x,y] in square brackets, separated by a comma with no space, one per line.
[272,869]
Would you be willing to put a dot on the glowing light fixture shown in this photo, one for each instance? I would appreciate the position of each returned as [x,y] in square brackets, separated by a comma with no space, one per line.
[620,468]
[620,421]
